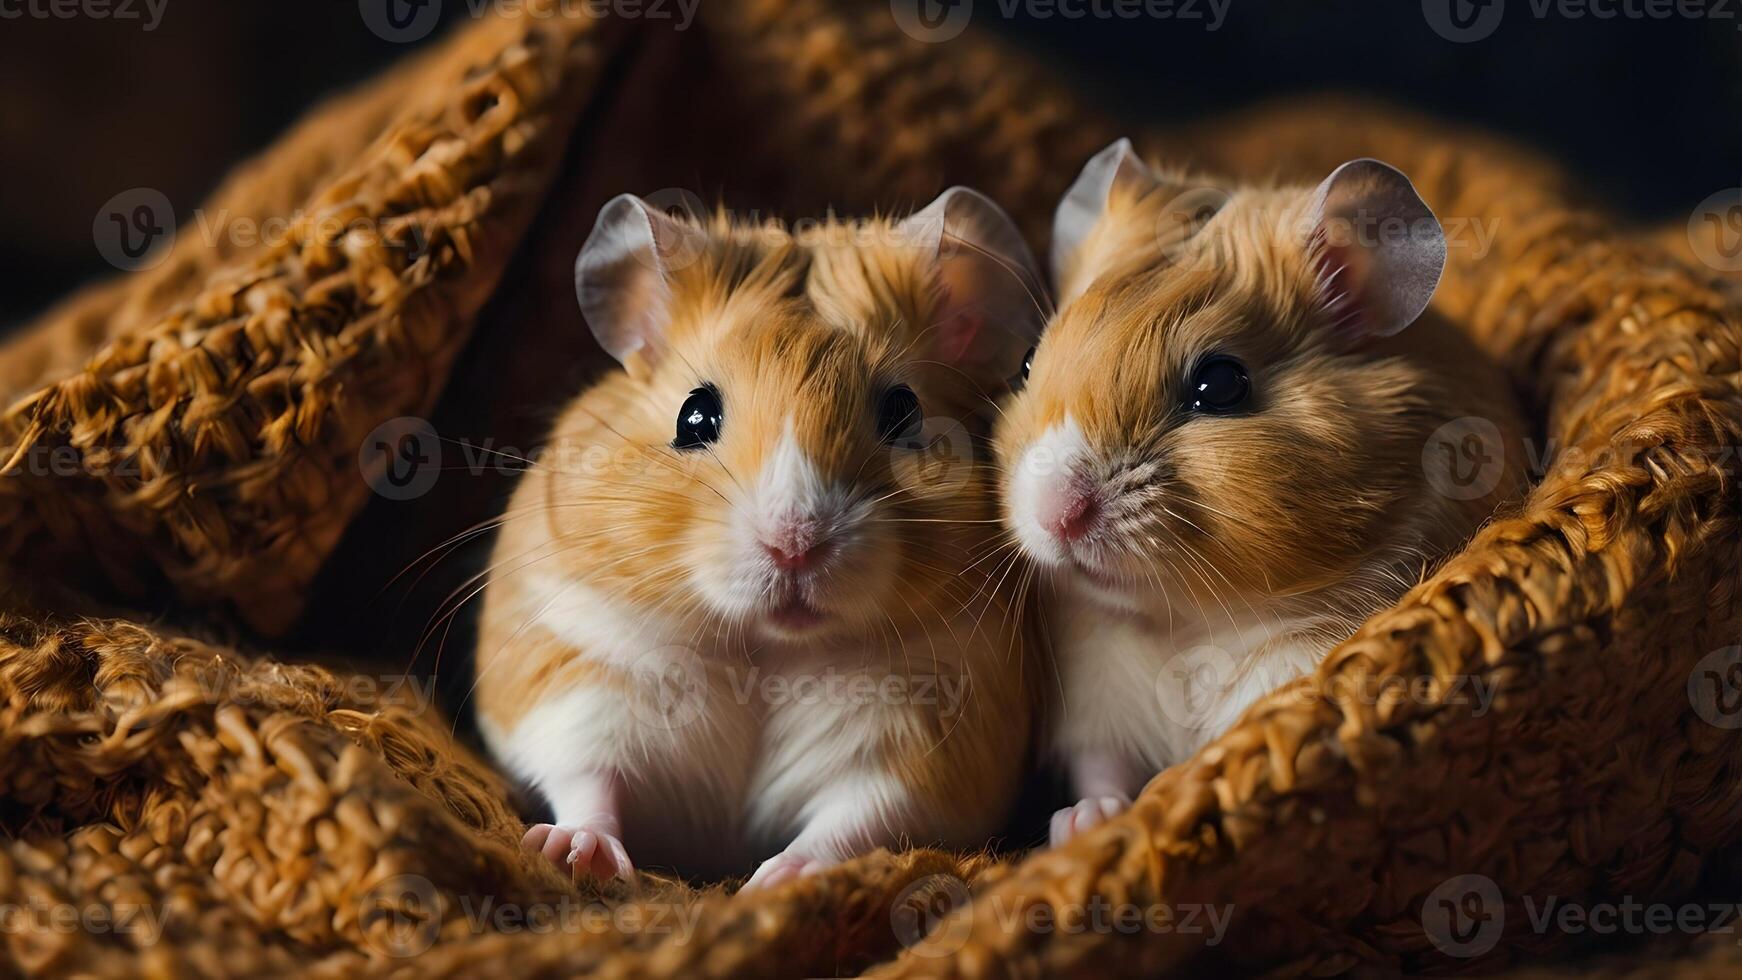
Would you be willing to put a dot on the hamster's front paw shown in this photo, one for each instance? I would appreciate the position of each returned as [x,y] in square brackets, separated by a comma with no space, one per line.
[1073,820]
[581,851]
[782,868]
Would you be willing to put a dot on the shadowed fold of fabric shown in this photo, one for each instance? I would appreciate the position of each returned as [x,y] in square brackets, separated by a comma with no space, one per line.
[246,815]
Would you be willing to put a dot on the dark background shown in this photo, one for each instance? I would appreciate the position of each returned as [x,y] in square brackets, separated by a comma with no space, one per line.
[1649,112]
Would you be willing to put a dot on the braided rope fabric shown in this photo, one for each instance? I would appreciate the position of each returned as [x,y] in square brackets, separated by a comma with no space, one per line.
[217,419]
[245,815]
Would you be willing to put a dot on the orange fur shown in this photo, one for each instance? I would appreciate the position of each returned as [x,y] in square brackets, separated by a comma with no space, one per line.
[1263,536]
[1290,502]
[800,335]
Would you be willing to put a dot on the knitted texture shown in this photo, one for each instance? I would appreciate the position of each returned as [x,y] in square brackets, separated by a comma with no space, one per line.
[276,819]
[217,421]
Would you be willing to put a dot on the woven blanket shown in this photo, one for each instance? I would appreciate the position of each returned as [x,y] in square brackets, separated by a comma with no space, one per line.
[181,457]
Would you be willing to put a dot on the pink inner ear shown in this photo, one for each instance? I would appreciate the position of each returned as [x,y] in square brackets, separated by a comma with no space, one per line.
[956,333]
[956,328]
[1344,270]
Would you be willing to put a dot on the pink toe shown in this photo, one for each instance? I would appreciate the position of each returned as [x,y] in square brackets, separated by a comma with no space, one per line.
[1086,815]
[535,836]
[582,851]
[556,846]
[623,867]
[775,871]
[1060,831]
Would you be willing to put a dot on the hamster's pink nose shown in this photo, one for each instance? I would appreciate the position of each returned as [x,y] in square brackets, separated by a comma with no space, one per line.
[795,547]
[1072,513]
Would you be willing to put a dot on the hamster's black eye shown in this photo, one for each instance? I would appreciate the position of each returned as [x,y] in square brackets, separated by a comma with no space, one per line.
[698,421]
[1027,363]
[1218,386]
[898,414]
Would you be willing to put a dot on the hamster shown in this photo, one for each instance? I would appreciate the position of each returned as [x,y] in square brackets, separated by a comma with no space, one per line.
[742,610]
[1242,433]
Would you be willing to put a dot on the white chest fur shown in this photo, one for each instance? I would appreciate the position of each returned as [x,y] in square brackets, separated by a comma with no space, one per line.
[1155,687]
[726,755]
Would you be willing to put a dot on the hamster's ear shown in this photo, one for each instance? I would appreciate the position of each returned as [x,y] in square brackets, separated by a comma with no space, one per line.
[622,277]
[1117,166]
[1382,248]
[993,304]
